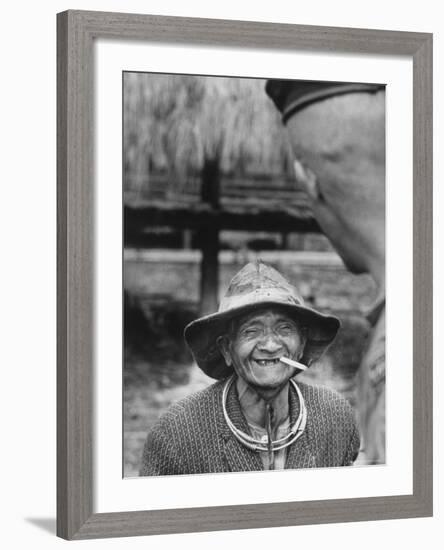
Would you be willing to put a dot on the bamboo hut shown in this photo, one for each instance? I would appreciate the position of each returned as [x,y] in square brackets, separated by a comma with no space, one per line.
[184,136]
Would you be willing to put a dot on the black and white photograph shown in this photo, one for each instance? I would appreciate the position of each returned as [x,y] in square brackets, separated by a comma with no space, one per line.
[222,252]
[254,274]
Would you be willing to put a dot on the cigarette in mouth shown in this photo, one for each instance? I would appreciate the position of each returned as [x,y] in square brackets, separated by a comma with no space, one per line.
[292,363]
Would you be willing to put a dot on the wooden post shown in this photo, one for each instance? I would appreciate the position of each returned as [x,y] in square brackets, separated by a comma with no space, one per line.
[187,237]
[209,271]
[209,240]
[284,241]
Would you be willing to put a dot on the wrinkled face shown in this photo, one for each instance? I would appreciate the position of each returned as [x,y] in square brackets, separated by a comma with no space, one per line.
[256,343]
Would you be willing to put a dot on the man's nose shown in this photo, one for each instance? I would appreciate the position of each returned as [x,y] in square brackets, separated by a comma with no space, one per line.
[270,342]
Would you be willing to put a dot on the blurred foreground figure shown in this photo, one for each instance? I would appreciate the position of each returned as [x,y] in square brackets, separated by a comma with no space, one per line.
[255,417]
[337,133]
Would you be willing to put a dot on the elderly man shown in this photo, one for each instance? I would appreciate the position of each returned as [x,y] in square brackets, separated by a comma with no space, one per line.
[337,133]
[256,417]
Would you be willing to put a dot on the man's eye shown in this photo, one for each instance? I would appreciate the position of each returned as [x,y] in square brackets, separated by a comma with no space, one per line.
[250,331]
[286,328]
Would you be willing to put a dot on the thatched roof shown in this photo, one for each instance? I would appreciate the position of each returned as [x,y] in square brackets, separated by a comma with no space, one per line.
[174,122]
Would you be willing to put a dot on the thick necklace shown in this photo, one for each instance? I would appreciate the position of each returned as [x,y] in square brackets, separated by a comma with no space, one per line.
[257,444]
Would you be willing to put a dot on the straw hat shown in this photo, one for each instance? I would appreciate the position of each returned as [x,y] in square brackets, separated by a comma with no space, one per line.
[256,285]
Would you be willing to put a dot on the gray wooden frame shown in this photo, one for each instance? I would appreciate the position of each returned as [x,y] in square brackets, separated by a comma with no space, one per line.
[76,32]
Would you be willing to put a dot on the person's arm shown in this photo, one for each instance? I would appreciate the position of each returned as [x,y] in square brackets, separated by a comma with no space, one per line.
[160,455]
[352,451]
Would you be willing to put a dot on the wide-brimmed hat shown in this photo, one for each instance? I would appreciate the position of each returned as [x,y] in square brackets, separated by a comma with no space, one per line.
[257,285]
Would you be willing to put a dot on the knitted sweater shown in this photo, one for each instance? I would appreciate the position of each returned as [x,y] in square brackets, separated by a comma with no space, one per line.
[192,436]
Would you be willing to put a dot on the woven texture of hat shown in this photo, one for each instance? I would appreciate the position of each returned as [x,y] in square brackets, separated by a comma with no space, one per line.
[259,282]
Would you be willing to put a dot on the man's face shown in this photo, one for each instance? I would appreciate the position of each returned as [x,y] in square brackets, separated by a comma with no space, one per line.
[256,343]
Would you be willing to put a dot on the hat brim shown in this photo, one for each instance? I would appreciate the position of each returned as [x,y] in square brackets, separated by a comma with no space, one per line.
[201,335]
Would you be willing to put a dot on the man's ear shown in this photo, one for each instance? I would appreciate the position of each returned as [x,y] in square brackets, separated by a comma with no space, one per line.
[223,343]
[306,178]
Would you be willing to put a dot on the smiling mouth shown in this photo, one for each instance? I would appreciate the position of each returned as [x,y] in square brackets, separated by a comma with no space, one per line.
[267,362]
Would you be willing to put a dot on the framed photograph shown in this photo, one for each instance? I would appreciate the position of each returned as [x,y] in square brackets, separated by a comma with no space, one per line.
[252,187]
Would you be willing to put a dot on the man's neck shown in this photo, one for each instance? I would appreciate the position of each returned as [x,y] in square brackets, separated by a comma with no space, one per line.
[254,405]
